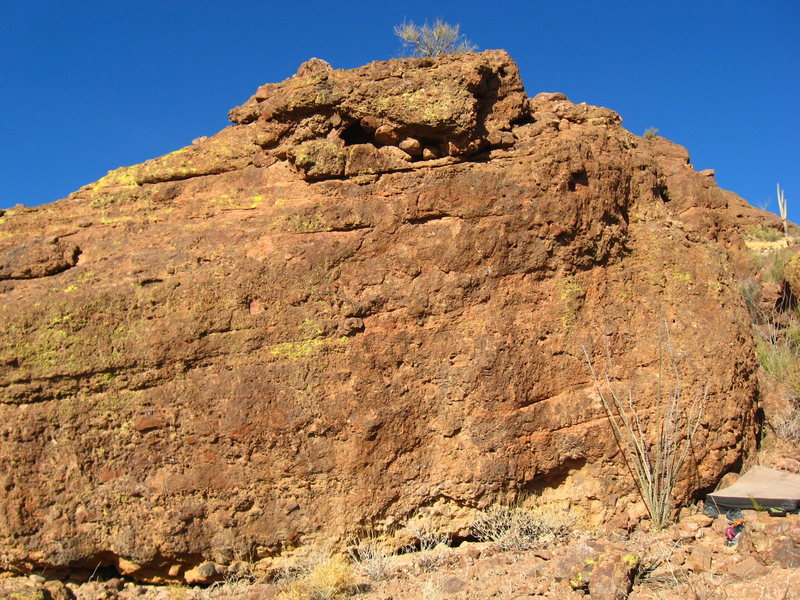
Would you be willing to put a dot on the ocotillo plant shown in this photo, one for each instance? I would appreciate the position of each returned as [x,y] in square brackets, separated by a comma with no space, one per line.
[655,451]
[782,207]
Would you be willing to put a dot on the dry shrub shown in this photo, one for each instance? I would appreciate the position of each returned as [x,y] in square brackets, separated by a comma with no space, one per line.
[332,578]
[427,537]
[238,580]
[430,560]
[750,289]
[433,40]
[787,425]
[371,557]
[432,546]
[522,528]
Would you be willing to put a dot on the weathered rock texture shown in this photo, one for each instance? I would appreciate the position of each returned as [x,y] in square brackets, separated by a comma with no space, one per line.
[365,300]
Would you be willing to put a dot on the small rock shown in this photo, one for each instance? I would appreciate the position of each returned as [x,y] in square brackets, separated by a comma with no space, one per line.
[147,422]
[747,568]
[313,65]
[494,138]
[727,479]
[429,153]
[452,585]
[550,97]
[700,534]
[784,553]
[500,139]
[394,154]
[204,573]
[370,123]
[612,578]
[699,520]
[58,591]
[411,146]
[699,560]
[472,552]
[127,567]
[386,134]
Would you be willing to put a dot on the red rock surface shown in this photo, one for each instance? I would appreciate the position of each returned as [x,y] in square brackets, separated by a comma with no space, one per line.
[289,331]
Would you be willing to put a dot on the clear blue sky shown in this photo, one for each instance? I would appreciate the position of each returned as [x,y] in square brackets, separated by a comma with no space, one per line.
[88,86]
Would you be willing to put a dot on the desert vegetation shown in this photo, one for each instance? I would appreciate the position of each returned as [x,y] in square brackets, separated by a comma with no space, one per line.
[775,320]
[782,209]
[328,577]
[522,527]
[654,450]
[433,40]
[650,133]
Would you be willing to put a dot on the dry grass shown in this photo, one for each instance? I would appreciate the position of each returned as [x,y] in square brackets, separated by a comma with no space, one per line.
[520,528]
[332,578]
[431,591]
[773,263]
[778,351]
[236,583]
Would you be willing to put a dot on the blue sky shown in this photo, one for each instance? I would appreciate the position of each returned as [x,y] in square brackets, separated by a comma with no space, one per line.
[88,86]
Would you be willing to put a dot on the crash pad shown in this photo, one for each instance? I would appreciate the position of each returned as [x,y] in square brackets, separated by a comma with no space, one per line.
[759,487]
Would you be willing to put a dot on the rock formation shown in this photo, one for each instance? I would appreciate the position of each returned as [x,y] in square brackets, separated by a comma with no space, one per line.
[364,302]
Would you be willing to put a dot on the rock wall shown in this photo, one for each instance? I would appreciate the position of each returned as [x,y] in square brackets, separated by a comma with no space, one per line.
[364,301]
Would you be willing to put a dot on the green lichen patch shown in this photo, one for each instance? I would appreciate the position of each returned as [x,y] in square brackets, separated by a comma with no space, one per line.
[570,294]
[306,347]
[296,350]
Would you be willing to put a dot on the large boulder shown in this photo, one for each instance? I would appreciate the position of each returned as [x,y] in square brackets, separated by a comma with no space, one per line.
[296,329]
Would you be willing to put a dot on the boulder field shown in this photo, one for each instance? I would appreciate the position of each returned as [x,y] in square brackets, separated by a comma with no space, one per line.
[365,302]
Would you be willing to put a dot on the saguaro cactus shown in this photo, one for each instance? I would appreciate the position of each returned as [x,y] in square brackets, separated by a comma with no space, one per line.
[782,207]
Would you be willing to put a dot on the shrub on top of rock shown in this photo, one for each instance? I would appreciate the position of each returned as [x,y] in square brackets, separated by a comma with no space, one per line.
[433,40]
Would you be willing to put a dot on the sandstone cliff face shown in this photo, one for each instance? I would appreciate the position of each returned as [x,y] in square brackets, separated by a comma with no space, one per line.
[365,300]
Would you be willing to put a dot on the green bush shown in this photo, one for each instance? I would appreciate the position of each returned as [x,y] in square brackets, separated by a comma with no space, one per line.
[764,233]
[775,357]
[773,264]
